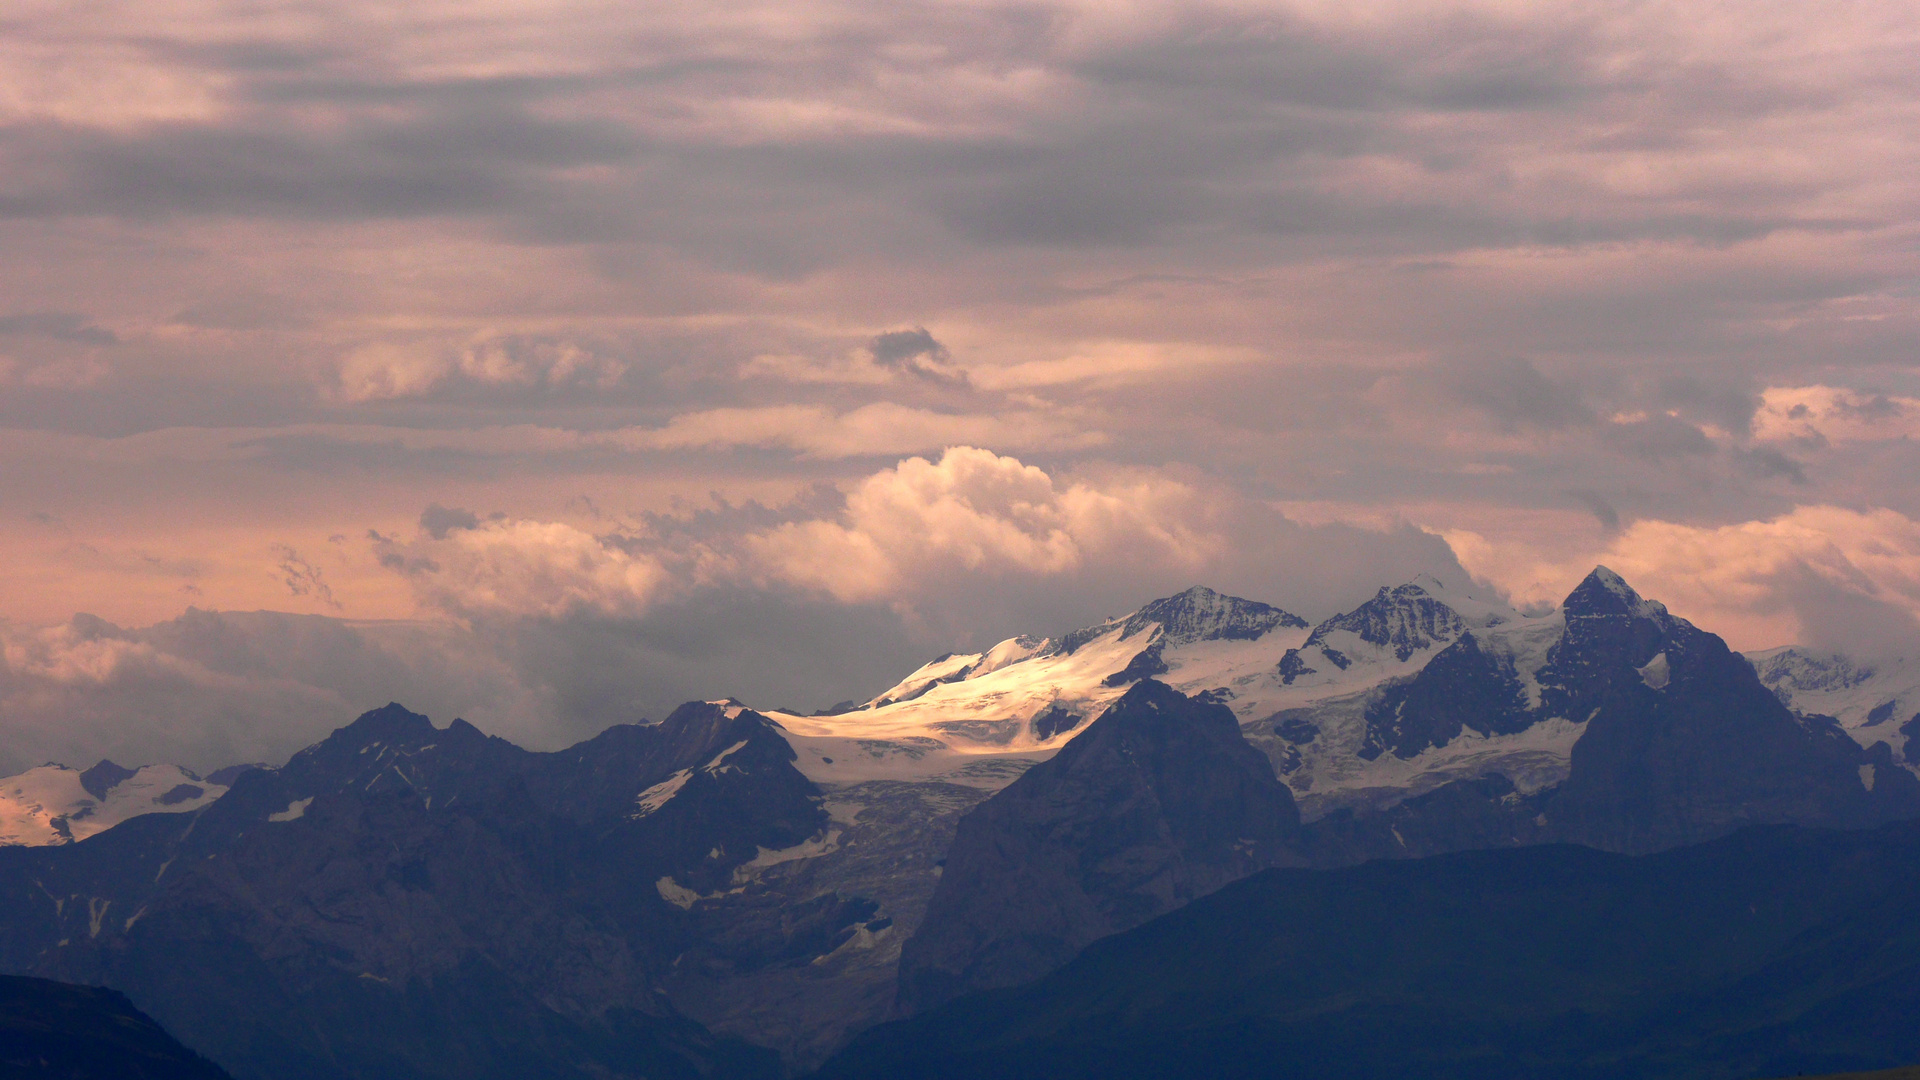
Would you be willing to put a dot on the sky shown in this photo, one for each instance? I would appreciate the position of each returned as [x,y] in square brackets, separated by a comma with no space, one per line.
[550,362]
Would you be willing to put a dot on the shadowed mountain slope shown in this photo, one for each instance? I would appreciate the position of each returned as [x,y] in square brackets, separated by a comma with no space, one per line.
[1772,952]
[1159,801]
[58,1031]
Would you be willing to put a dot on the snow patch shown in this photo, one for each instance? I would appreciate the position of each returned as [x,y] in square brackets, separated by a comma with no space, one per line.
[824,843]
[675,893]
[1656,672]
[661,793]
[715,767]
[295,810]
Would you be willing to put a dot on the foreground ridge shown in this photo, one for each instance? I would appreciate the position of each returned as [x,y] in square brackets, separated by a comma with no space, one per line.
[1776,951]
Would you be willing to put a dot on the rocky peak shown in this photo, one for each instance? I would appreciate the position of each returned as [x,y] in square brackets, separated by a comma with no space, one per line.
[1612,633]
[393,749]
[698,729]
[1200,614]
[1604,593]
[393,723]
[1406,618]
[104,777]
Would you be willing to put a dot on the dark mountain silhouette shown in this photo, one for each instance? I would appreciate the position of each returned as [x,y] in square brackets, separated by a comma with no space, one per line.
[58,1031]
[1774,952]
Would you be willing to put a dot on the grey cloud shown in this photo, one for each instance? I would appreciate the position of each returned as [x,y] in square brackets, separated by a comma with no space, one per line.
[768,649]
[57,325]
[898,348]
[1846,620]
[1516,393]
[1461,62]
[463,157]
[719,518]
[915,352]
[1728,401]
[1873,407]
[1198,124]
[1658,438]
[437,521]
[246,311]
[301,577]
[1766,463]
[217,688]
[1602,510]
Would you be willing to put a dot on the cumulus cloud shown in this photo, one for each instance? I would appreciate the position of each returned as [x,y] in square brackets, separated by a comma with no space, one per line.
[965,548]
[1818,575]
[59,325]
[521,567]
[976,544]
[978,514]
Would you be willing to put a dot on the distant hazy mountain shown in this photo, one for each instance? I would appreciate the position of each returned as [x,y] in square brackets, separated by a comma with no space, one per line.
[55,804]
[1872,701]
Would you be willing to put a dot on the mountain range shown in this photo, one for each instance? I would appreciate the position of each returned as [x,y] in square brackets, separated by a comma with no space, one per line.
[740,893]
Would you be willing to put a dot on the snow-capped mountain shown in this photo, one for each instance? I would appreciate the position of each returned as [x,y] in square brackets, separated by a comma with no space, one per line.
[981,719]
[1874,701]
[54,804]
[1306,696]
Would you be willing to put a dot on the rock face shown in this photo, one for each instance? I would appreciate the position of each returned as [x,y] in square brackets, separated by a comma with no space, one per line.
[63,1032]
[1159,801]
[1683,741]
[1465,687]
[1200,614]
